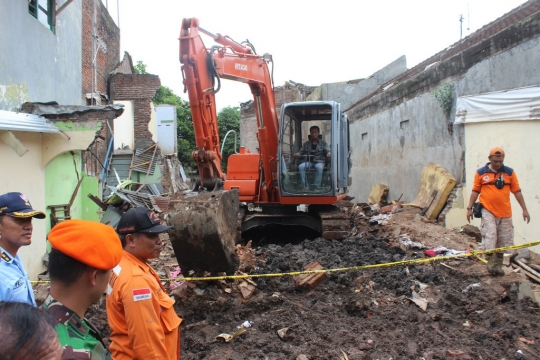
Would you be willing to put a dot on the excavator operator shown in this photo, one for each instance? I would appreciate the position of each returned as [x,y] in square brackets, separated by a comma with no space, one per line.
[316,150]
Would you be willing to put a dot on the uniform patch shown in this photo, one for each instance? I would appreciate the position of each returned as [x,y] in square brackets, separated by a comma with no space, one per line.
[117,269]
[141,294]
[486,178]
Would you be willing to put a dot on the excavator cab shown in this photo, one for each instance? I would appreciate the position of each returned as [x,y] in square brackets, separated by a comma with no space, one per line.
[317,168]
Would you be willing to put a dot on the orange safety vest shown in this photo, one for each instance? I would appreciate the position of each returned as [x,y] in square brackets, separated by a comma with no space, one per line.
[496,201]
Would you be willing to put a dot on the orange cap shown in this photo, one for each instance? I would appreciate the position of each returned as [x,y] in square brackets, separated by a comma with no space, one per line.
[496,151]
[92,243]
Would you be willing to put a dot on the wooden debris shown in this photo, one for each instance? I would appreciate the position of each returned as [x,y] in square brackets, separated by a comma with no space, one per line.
[530,342]
[529,269]
[448,266]
[200,323]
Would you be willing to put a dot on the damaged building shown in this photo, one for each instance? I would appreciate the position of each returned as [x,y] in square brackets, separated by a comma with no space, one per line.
[75,120]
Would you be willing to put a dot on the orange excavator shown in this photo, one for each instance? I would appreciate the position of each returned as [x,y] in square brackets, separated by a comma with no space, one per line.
[290,183]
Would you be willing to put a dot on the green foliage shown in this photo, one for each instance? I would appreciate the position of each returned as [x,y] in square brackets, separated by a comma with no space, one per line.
[445,97]
[140,68]
[229,119]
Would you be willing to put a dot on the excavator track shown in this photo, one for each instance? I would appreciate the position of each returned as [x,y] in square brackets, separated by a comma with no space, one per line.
[336,224]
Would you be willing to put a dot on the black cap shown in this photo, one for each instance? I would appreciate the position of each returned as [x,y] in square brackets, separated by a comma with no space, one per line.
[142,220]
[17,205]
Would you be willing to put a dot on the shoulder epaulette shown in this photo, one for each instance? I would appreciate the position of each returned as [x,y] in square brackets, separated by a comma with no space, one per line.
[5,256]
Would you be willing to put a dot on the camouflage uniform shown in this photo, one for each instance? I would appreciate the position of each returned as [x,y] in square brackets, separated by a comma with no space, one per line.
[79,338]
[496,232]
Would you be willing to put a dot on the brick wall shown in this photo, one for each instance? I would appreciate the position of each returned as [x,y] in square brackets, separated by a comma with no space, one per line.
[108,56]
[139,88]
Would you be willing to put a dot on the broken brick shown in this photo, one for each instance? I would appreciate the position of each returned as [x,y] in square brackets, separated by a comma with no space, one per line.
[454,353]
[390,208]
[311,281]
[247,291]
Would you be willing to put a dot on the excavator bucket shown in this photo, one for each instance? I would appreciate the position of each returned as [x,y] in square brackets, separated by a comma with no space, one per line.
[204,231]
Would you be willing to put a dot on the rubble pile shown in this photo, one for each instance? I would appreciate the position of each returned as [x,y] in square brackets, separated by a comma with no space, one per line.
[450,309]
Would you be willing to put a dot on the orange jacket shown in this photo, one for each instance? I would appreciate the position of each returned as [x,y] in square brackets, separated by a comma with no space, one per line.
[496,201]
[141,315]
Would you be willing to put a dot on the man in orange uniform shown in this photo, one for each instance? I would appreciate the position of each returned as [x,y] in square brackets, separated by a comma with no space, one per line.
[494,182]
[141,315]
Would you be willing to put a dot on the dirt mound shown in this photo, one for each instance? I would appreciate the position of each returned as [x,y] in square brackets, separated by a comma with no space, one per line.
[364,314]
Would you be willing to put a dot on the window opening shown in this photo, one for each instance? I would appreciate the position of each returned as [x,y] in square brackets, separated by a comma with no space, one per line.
[305,166]
[43,10]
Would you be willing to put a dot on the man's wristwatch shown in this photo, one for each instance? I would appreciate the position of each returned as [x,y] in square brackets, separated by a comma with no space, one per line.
[469,208]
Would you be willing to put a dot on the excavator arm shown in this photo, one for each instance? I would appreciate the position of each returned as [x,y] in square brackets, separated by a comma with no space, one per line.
[202,69]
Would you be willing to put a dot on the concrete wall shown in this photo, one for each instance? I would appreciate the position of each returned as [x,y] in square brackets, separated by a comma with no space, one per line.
[514,68]
[45,174]
[395,154]
[61,177]
[25,174]
[38,65]
[348,94]
[124,133]
[393,146]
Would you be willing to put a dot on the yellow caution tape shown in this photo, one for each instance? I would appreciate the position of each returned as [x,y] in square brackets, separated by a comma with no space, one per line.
[354,268]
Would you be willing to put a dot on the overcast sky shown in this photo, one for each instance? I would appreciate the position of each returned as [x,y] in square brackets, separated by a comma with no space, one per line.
[312,41]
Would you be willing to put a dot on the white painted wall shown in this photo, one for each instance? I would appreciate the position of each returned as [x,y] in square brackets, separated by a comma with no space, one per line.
[152,124]
[25,174]
[124,130]
[519,139]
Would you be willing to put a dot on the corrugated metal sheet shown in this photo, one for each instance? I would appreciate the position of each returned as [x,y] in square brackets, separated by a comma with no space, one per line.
[111,217]
[10,120]
[152,189]
[121,163]
[137,199]
[516,104]
[141,161]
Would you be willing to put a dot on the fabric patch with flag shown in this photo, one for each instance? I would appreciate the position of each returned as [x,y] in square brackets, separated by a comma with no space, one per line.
[141,294]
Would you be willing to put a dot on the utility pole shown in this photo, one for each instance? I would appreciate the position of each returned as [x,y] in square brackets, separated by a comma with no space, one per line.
[461,26]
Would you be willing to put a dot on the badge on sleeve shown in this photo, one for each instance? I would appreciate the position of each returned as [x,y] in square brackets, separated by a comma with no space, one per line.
[141,294]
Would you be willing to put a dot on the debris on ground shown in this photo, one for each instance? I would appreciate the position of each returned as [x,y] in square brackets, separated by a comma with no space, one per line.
[450,309]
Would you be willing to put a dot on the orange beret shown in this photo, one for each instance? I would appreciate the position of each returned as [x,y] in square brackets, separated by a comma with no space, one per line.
[90,242]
